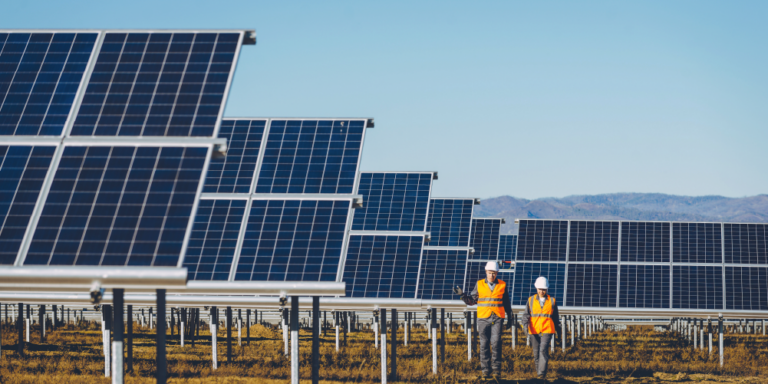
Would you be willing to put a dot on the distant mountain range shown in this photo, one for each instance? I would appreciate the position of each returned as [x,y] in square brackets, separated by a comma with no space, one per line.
[627,206]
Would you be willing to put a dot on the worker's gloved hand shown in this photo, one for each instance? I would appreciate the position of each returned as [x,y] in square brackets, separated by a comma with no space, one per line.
[457,290]
[467,300]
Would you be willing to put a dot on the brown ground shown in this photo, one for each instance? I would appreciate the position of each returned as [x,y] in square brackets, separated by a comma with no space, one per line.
[639,355]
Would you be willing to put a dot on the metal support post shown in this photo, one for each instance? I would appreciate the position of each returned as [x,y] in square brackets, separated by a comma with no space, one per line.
[129,359]
[336,317]
[442,335]
[315,339]
[467,329]
[720,326]
[393,343]
[709,330]
[285,331]
[162,368]
[514,330]
[433,331]
[229,335]
[117,344]
[20,330]
[294,340]
[475,338]
[564,330]
[213,324]
[383,346]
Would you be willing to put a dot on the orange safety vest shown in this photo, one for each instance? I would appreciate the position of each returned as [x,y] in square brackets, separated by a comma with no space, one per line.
[541,318]
[488,301]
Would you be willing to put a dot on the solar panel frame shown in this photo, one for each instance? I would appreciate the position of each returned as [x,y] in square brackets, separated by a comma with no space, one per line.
[87,143]
[590,290]
[240,174]
[462,219]
[751,246]
[442,281]
[694,236]
[698,286]
[374,254]
[737,278]
[526,272]
[226,89]
[399,202]
[214,221]
[593,241]
[484,238]
[554,243]
[507,247]
[75,105]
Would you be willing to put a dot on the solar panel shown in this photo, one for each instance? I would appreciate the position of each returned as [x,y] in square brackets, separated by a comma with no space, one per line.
[393,201]
[747,288]
[527,273]
[592,285]
[645,241]
[441,271]
[507,247]
[311,156]
[158,84]
[40,74]
[22,171]
[485,238]
[450,221]
[293,240]
[382,266]
[118,205]
[542,240]
[213,241]
[594,241]
[644,286]
[745,243]
[697,287]
[696,243]
[475,272]
[234,172]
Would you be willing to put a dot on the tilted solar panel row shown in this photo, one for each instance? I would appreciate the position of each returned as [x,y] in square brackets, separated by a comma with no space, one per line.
[71,199]
[644,264]
[659,242]
[285,191]
[444,263]
[388,235]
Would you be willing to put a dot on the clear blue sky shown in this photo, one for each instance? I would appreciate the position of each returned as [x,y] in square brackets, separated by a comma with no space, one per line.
[530,99]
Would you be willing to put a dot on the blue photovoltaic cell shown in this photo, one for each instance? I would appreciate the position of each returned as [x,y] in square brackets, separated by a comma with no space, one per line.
[527,273]
[475,272]
[234,172]
[746,243]
[696,243]
[697,287]
[507,247]
[645,241]
[118,206]
[311,156]
[293,240]
[591,285]
[441,271]
[594,241]
[213,239]
[157,84]
[393,202]
[39,77]
[644,286]
[755,297]
[542,240]
[22,170]
[449,222]
[382,266]
[485,238]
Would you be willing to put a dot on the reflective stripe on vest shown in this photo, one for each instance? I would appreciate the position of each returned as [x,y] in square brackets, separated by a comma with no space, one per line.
[541,317]
[489,302]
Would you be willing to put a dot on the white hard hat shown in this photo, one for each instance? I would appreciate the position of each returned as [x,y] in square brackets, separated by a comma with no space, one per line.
[541,283]
[491,266]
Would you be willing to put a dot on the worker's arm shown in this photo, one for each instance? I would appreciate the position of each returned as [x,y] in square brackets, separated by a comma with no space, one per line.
[471,299]
[556,319]
[507,308]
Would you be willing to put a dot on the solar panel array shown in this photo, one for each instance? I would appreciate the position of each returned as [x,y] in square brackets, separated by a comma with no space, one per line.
[291,182]
[68,198]
[629,264]
[444,263]
[388,235]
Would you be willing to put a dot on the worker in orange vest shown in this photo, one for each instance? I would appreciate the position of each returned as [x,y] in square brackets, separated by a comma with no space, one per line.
[493,304]
[541,321]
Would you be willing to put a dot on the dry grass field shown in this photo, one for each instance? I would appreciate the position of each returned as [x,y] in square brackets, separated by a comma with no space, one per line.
[637,355]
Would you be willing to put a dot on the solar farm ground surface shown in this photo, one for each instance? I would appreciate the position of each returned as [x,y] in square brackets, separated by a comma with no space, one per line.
[638,355]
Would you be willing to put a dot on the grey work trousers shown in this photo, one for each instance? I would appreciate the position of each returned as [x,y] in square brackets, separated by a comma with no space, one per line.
[540,346]
[490,339]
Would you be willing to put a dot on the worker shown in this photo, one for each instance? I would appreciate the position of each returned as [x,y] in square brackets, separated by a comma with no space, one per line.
[541,321]
[492,299]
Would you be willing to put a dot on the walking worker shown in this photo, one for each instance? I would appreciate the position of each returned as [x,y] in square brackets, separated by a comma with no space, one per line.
[492,299]
[541,321]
